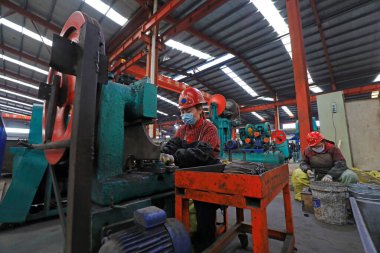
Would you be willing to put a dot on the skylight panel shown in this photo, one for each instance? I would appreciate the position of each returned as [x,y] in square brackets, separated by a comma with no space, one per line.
[16,130]
[272,15]
[258,116]
[315,89]
[25,31]
[98,5]
[15,101]
[238,80]
[15,108]
[266,98]
[23,64]
[20,95]
[289,126]
[287,110]
[107,11]
[179,77]
[116,17]
[167,100]
[19,82]
[163,113]
[188,50]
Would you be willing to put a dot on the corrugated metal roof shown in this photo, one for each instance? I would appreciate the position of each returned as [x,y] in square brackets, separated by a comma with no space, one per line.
[351,30]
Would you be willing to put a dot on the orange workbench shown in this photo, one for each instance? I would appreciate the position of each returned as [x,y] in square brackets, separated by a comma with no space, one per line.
[243,191]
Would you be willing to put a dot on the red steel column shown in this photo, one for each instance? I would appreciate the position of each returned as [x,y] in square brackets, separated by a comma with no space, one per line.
[299,69]
[276,119]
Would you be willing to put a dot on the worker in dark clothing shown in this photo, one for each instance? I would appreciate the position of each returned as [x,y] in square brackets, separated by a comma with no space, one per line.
[195,144]
[324,159]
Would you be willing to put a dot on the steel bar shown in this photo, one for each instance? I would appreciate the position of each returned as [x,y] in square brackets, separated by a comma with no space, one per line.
[48,145]
[153,20]
[58,200]
[365,237]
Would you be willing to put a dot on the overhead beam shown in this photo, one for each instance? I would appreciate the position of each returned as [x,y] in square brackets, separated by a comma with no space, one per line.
[31,16]
[324,44]
[153,20]
[194,77]
[15,116]
[163,81]
[133,24]
[217,44]
[193,17]
[347,92]
[23,55]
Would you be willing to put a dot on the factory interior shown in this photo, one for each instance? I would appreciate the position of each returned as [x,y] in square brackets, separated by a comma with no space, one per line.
[189,126]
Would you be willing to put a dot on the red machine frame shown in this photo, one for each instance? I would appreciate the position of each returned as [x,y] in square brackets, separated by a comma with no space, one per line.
[243,192]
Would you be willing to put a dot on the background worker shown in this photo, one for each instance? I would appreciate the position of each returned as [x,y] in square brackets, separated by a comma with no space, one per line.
[195,144]
[324,159]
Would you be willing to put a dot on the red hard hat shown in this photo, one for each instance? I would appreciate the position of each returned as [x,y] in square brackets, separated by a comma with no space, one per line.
[314,138]
[190,97]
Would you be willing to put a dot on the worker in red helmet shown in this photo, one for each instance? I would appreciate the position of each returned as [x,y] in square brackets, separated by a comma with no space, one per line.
[195,143]
[326,160]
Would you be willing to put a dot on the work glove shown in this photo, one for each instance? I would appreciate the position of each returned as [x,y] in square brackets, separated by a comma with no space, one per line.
[166,159]
[310,173]
[304,166]
[327,178]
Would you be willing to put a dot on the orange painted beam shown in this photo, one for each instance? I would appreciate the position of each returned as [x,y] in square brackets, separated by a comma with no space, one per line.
[15,116]
[347,92]
[153,21]
[163,81]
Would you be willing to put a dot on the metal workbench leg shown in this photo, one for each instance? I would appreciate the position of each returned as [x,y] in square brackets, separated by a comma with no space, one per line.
[288,210]
[182,211]
[259,230]
[239,215]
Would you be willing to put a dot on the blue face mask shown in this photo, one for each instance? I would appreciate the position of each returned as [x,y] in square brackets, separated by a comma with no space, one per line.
[188,118]
[319,150]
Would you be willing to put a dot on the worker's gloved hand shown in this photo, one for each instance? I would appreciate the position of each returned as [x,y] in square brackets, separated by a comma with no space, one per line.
[166,159]
[304,166]
[327,178]
[310,173]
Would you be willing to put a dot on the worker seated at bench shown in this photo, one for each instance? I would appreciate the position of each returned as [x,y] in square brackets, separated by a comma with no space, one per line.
[195,144]
[322,160]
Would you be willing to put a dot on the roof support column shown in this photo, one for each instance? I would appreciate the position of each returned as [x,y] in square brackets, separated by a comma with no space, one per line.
[276,119]
[299,69]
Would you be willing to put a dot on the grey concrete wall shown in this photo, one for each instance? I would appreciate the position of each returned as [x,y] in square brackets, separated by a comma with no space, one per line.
[363,118]
[334,125]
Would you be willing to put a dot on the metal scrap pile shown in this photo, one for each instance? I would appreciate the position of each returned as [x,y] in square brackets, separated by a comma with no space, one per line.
[250,168]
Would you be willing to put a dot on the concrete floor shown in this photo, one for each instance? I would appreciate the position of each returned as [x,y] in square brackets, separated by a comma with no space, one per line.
[311,236]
